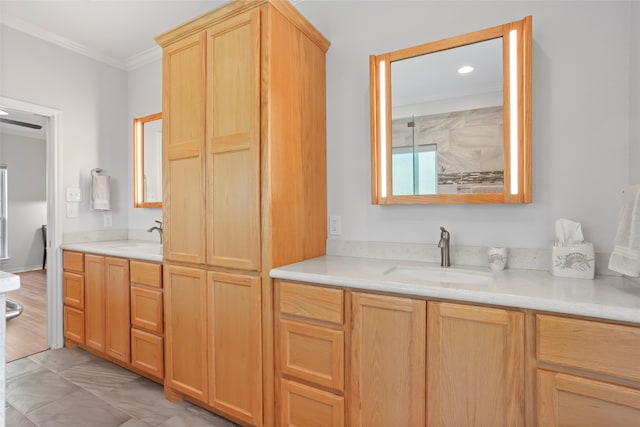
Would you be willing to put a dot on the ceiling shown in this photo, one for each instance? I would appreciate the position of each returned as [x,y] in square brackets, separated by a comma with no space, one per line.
[120,33]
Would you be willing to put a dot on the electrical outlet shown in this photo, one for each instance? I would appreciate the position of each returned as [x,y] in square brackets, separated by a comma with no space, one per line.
[335,225]
[108,220]
[72,210]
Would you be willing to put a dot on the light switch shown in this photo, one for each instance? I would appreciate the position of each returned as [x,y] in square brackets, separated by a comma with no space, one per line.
[73,194]
[108,220]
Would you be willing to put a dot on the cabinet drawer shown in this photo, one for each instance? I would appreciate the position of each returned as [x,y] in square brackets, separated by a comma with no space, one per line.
[147,352]
[146,309]
[146,273]
[306,406]
[312,302]
[593,346]
[312,353]
[73,290]
[73,261]
[74,324]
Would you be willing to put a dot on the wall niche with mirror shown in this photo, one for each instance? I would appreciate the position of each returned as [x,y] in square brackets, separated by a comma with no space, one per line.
[147,161]
[451,119]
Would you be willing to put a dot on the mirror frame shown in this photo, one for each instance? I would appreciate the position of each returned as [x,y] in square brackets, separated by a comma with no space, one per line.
[138,161]
[516,65]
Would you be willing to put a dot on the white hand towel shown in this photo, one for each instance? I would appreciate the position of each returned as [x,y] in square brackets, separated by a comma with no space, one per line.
[625,257]
[100,192]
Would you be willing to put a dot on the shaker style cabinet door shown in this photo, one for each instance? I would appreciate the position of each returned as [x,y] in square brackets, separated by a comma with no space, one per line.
[475,365]
[94,302]
[183,112]
[186,330]
[117,318]
[233,142]
[387,361]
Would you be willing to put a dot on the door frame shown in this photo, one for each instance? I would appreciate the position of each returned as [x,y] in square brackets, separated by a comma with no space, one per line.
[55,199]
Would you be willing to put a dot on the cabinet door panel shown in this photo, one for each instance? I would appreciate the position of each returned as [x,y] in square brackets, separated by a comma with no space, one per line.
[183,150]
[94,302]
[387,361]
[147,352]
[74,324]
[233,143]
[186,330]
[117,318]
[475,363]
[567,400]
[73,289]
[146,309]
[235,378]
[306,406]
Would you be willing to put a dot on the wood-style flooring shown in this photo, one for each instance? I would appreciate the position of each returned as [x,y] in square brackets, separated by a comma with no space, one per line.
[27,333]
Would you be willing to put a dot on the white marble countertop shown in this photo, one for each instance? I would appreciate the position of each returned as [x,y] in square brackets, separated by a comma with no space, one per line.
[605,297]
[9,282]
[136,249]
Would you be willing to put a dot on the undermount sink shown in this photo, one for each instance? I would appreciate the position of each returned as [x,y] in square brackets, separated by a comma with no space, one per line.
[439,274]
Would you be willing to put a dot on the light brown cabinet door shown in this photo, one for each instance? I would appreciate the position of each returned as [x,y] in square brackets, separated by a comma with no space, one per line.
[235,356]
[117,318]
[567,400]
[387,361]
[183,112]
[475,366]
[74,324]
[147,352]
[309,407]
[146,309]
[233,142]
[73,285]
[185,312]
[94,302]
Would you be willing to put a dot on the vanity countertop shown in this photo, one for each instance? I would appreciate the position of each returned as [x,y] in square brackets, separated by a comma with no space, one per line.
[605,297]
[9,282]
[136,249]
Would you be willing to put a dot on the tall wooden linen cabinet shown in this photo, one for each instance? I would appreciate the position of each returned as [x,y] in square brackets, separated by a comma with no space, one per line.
[244,165]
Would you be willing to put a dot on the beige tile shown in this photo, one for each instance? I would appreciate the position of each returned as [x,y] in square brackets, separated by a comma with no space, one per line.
[20,367]
[98,375]
[13,418]
[37,388]
[62,359]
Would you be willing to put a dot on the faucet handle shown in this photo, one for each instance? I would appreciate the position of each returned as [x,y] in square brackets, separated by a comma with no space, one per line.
[444,234]
[159,222]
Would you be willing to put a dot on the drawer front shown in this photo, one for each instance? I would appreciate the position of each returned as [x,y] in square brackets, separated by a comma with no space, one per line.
[593,346]
[146,273]
[312,302]
[147,353]
[73,261]
[306,406]
[146,309]
[73,290]
[74,324]
[312,353]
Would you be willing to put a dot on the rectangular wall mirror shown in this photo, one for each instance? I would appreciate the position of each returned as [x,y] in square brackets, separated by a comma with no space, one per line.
[147,161]
[451,119]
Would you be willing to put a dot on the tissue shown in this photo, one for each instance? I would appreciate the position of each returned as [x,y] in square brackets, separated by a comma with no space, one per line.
[572,256]
[568,232]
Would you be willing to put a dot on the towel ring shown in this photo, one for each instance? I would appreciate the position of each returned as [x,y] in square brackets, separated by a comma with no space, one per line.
[96,171]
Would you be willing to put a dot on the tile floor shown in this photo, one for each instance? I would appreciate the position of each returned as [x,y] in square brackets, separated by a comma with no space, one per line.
[73,388]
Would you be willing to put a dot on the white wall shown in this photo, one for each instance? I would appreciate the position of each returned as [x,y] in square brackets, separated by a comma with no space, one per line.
[93,99]
[581,117]
[27,196]
[634,106]
[145,98]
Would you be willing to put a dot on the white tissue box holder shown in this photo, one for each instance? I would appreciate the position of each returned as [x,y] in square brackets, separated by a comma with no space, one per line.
[575,260]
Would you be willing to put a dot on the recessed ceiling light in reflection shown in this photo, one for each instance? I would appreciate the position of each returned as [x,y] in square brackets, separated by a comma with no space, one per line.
[465,69]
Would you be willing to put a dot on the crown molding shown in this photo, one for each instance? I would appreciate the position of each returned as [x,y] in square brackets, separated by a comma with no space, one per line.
[38,32]
[143,58]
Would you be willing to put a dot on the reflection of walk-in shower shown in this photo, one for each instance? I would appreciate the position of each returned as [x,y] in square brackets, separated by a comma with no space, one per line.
[414,165]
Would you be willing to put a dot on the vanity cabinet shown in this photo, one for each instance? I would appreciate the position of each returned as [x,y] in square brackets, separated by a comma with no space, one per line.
[588,372]
[244,191]
[310,355]
[475,365]
[113,308]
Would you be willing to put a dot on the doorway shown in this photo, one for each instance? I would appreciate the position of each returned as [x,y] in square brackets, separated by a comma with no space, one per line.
[52,275]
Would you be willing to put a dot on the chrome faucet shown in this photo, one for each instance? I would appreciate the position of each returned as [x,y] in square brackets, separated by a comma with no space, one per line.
[157,228]
[443,244]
